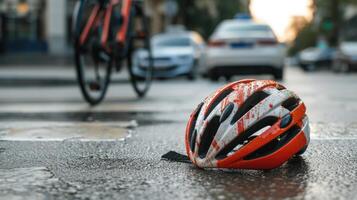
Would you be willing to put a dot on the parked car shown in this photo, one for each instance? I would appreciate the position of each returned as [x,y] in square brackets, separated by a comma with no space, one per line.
[313,57]
[174,54]
[346,57]
[244,47]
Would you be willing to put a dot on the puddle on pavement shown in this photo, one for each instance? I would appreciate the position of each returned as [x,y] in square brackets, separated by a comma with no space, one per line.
[142,118]
[83,126]
[53,131]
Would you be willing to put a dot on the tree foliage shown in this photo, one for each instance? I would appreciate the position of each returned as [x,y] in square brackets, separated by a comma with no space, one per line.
[196,15]
[329,24]
[307,37]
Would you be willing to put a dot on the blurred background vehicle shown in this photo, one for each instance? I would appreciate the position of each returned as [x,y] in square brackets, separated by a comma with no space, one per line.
[39,32]
[346,57]
[175,53]
[326,40]
[312,58]
[244,47]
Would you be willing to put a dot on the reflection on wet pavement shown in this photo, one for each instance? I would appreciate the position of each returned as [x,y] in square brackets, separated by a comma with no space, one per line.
[142,118]
[288,181]
[96,131]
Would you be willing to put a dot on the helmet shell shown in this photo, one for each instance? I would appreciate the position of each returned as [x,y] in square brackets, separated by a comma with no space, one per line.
[248,124]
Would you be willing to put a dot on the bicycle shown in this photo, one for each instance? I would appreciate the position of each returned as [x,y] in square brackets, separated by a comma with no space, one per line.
[107,34]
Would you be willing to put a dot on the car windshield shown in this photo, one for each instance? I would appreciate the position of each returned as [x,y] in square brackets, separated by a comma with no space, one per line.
[177,41]
[246,30]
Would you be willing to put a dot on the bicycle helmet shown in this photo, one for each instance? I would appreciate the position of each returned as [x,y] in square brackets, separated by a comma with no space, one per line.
[248,124]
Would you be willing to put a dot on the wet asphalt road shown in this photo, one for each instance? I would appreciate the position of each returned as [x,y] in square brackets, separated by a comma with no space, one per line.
[54,146]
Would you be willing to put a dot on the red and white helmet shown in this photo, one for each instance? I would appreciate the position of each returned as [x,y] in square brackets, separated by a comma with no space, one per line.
[248,124]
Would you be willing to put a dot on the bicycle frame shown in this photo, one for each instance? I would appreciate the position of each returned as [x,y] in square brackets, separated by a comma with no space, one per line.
[95,17]
[104,32]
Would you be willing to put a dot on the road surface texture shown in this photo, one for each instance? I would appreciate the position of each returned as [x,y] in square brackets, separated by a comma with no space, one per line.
[54,146]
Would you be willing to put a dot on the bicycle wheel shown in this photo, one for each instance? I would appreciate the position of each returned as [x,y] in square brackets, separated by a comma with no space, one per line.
[93,63]
[140,69]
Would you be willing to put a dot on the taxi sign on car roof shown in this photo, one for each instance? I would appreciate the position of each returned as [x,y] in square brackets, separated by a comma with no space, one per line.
[243,16]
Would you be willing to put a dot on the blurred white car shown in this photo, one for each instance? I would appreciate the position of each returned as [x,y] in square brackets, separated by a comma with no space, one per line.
[311,58]
[244,47]
[346,57]
[174,54]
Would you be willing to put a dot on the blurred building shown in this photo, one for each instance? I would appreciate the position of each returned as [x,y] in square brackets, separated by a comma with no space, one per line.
[34,25]
[45,25]
[349,31]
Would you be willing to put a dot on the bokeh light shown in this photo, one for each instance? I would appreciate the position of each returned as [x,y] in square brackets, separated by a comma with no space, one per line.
[279,13]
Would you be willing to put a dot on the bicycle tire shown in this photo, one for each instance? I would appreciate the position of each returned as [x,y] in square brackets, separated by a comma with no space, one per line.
[93,98]
[141,84]
[84,87]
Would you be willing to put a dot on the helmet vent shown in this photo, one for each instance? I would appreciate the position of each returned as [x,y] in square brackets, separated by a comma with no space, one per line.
[192,135]
[251,101]
[245,136]
[208,135]
[280,87]
[275,144]
[226,112]
[193,141]
[217,100]
[291,103]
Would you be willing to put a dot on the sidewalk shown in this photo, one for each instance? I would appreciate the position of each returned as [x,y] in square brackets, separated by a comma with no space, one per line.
[27,75]
[36,59]
[45,75]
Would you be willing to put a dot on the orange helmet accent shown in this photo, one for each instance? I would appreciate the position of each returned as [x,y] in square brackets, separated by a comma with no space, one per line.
[248,124]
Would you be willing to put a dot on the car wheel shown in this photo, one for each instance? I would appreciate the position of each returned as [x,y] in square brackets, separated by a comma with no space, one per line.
[308,67]
[213,77]
[340,67]
[213,74]
[193,73]
[335,67]
[344,67]
[311,67]
[228,78]
[278,74]
[204,75]
[303,67]
[191,77]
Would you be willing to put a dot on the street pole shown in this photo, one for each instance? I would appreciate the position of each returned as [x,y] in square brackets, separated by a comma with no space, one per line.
[335,12]
[56,26]
[170,10]
[245,4]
